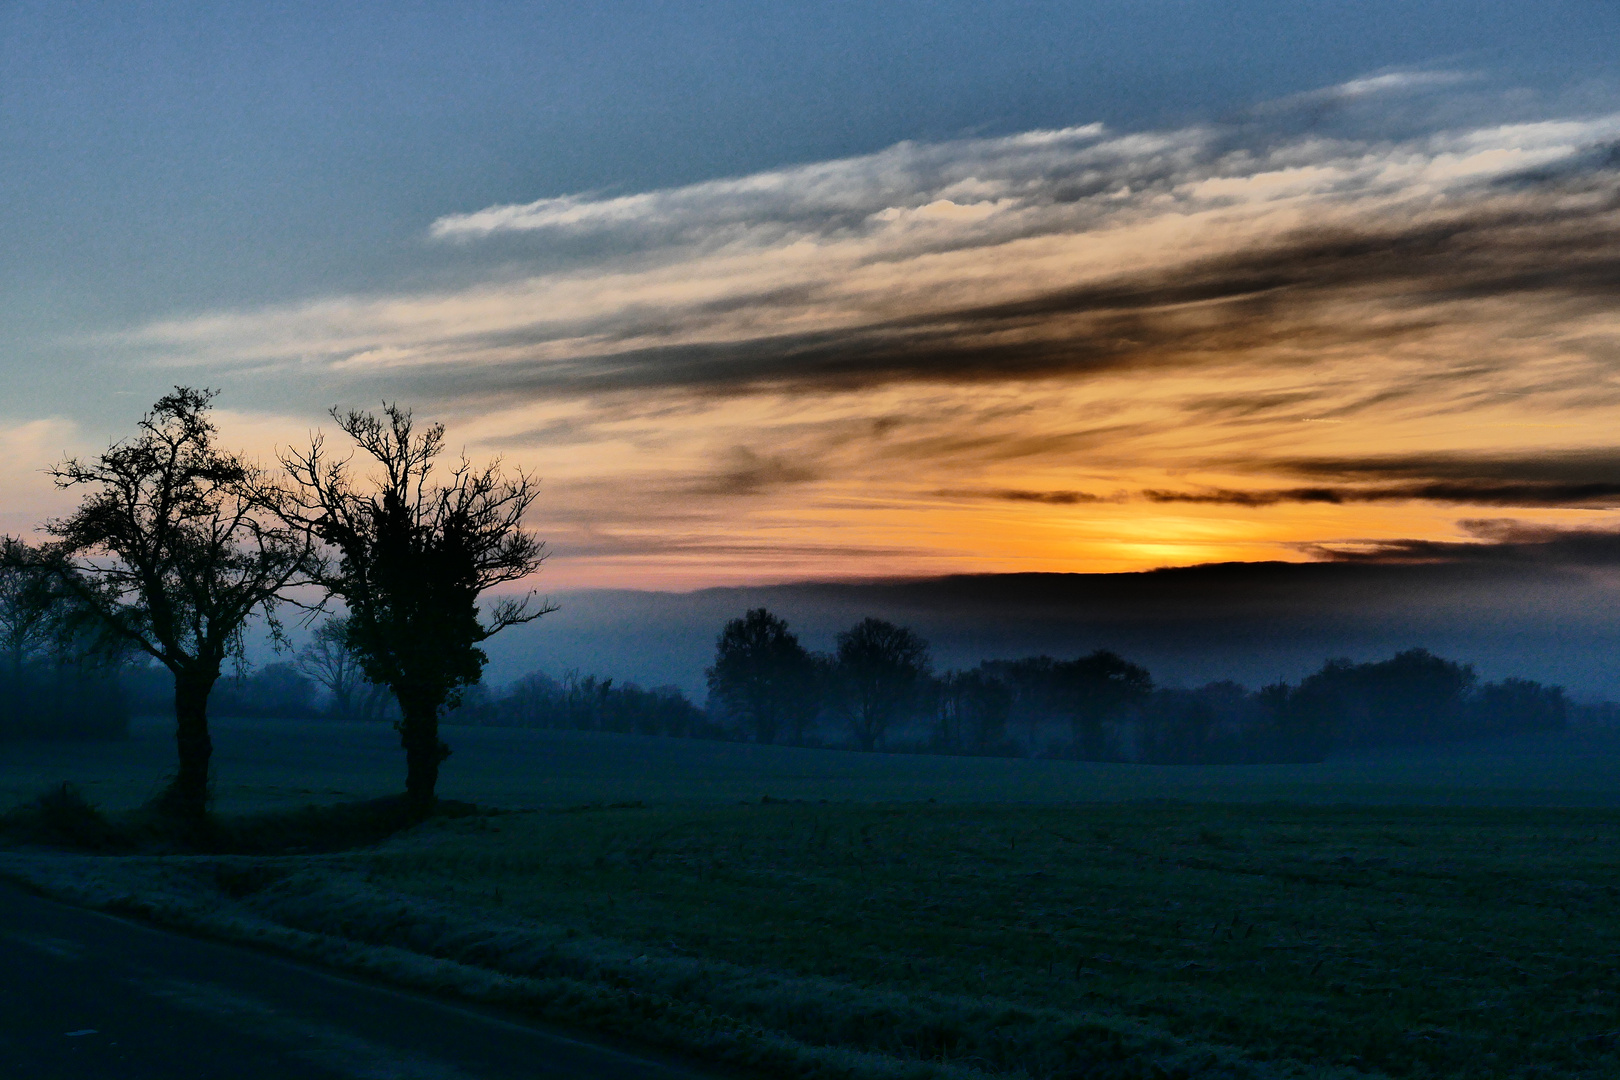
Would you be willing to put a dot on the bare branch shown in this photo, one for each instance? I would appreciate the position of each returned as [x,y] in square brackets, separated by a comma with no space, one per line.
[409,559]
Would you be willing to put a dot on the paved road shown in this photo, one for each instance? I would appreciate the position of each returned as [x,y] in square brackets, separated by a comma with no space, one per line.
[85,995]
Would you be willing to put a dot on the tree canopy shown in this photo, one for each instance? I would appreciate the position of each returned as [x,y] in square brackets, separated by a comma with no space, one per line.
[174,545]
[412,559]
[763,677]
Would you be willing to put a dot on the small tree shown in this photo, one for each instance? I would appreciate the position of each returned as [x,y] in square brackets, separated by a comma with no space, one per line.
[413,559]
[174,546]
[879,668]
[763,677]
[278,690]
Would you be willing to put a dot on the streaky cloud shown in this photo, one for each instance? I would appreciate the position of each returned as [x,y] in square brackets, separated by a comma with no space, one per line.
[958,180]
[1050,498]
[1497,541]
[1545,466]
[1123,349]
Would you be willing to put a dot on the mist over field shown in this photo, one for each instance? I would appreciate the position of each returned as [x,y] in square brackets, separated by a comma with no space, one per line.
[1555,622]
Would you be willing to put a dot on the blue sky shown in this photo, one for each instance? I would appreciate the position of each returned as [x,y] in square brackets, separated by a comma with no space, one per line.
[284,200]
[165,157]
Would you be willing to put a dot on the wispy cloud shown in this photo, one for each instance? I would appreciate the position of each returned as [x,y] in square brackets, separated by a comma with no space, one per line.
[1123,347]
[744,472]
[1603,494]
[951,183]
[953,258]
[1050,498]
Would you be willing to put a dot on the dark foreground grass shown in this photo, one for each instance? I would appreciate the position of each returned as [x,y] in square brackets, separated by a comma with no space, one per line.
[1412,942]
[817,940]
[63,817]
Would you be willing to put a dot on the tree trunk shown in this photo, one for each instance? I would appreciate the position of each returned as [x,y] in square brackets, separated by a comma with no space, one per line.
[867,729]
[187,795]
[424,750]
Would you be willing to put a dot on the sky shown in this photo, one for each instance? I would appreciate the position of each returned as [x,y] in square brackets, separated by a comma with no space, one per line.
[767,293]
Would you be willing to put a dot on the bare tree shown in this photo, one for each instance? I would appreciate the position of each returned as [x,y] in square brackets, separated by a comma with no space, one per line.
[175,544]
[413,557]
[332,662]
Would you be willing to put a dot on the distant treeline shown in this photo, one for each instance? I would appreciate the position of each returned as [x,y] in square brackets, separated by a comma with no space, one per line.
[877,691]
[588,703]
[62,697]
[58,679]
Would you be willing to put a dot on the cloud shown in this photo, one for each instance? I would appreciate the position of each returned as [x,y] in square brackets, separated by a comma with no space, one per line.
[1080,177]
[904,185]
[1475,494]
[1554,254]
[27,495]
[745,472]
[1596,494]
[1549,466]
[1397,82]
[1583,477]
[1497,541]
[1050,498]
[1104,349]
[1067,250]
[1315,106]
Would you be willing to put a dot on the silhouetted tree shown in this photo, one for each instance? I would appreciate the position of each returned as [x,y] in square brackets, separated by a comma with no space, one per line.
[1218,723]
[879,668]
[972,712]
[413,557]
[30,605]
[175,545]
[60,674]
[1518,706]
[1299,725]
[1035,700]
[1412,697]
[588,703]
[1096,689]
[278,690]
[534,701]
[763,677]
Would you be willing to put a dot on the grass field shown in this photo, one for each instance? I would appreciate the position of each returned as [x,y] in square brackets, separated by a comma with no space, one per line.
[1450,913]
[1413,942]
[268,764]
